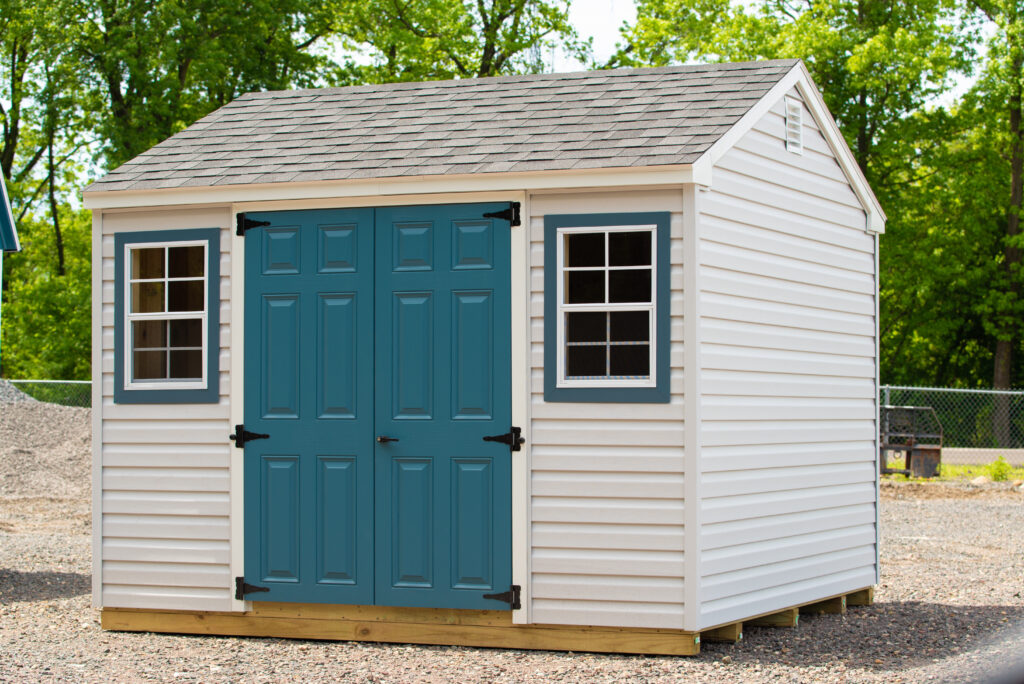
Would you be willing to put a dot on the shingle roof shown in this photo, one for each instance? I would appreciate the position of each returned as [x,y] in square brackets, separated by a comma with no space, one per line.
[544,122]
[8,231]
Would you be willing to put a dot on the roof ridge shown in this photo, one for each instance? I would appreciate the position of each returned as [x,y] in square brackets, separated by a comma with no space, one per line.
[526,78]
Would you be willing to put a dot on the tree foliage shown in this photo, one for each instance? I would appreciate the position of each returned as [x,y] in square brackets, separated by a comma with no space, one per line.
[89,84]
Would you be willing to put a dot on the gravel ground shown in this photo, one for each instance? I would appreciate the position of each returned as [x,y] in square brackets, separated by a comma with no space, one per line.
[949,607]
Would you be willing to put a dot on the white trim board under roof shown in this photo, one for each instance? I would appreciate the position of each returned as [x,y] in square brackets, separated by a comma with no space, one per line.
[626,127]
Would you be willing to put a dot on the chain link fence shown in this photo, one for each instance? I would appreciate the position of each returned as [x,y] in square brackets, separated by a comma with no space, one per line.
[64,392]
[977,425]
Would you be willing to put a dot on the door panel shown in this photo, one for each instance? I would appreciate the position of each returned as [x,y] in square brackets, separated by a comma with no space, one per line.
[309,385]
[363,323]
[443,298]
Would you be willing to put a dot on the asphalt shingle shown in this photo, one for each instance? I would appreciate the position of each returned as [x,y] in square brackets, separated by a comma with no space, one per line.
[542,122]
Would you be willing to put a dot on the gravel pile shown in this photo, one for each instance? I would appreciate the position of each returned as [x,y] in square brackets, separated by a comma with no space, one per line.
[949,607]
[9,394]
[45,450]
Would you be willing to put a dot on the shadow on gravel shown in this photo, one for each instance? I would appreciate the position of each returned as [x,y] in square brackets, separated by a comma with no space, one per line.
[885,636]
[18,586]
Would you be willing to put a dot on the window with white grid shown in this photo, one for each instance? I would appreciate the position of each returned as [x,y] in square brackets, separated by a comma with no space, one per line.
[606,306]
[166,315]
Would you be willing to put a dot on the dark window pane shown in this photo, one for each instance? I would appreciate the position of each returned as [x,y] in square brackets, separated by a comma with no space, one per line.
[631,359]
[149,365]
[629,286]
[586,361]
[148,263]
[185,295]
[584,249]
[630,326]
[185,262]
[186,365]
[584,287]
[149,334]
[147,297]
[187,333]
[629,249]
[586,327]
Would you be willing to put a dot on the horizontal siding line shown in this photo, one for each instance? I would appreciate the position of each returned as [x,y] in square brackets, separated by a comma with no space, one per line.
[785,374]
[812,289]
[747,162]
[832,493]
[793,550]
[864,529]
[740,310]
[783,192]
[752,345]
[783,572]
[815,242]
[764,528]
[783,268]
[708,209]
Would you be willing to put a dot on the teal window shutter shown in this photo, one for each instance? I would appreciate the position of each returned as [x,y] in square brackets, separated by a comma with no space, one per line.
[167,317]
[606,307]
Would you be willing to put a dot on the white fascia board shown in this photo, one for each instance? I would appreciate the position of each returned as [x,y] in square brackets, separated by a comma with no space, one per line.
[675,174]
[800,78]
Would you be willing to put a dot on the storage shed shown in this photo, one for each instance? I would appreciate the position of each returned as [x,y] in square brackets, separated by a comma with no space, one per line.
[8,237]
[578,361]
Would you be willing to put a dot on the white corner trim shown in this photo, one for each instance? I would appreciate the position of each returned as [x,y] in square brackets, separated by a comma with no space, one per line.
[236,397]
[521,460]
[692,408]
[419,185]
[97,409]
[800,78]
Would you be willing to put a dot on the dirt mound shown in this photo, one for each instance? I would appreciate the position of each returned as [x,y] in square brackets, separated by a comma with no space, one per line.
[45,450]
[9,394]
[891,489]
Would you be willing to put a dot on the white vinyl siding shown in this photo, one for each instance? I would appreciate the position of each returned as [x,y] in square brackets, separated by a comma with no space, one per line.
[787,296]
[606,504]
[165,527]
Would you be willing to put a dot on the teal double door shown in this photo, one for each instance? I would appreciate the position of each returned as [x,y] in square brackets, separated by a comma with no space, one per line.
[377,358]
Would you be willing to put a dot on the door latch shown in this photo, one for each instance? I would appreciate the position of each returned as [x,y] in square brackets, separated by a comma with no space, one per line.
[242,436]
[513,438]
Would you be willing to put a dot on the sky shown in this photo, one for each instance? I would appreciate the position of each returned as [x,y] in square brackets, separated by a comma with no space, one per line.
[600,19]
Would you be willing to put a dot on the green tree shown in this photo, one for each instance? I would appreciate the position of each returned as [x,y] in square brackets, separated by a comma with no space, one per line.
[160,65]
[47,317]
[416,40]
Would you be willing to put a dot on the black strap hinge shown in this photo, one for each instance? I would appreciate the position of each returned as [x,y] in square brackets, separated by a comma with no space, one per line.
[513,438]
[243,224]
[242,436]
[510,597]
[242,588]
[511,214]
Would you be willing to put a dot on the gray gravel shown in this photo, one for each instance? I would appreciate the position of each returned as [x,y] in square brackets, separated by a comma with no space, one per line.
[949,607]
[9,394]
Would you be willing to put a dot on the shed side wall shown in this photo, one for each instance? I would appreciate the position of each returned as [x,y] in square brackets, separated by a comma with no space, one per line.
[165,530]
[606,479]
[787,468]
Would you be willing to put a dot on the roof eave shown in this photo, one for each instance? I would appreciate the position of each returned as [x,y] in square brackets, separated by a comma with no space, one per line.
[673,174]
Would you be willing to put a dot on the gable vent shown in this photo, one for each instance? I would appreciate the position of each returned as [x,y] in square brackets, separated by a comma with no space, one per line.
[794,125]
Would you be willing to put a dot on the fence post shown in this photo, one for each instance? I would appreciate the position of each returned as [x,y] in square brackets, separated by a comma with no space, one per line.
[886,389]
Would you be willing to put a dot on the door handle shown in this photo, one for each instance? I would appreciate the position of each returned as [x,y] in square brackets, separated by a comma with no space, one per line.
[384,440]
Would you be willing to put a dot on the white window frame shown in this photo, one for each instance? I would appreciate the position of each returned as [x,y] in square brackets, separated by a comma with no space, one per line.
[129,317]
[563,308]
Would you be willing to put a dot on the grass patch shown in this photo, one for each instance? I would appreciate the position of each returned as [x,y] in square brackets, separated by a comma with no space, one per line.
[997,471]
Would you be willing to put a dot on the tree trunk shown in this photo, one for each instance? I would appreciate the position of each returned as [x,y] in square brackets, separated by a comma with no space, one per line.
[58,236]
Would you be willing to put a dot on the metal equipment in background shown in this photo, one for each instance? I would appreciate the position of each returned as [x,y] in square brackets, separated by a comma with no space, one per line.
[915,431]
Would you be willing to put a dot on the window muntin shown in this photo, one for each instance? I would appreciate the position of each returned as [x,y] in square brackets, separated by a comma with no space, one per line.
[606,306]
[166,317]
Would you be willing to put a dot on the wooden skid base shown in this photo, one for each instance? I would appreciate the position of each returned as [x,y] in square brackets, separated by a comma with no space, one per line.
[731,634]
[402,625]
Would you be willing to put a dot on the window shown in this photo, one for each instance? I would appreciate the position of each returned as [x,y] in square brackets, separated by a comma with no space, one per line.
[606,307]
[166,290]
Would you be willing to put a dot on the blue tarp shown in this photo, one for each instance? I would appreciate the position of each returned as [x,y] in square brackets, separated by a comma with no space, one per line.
[8,233]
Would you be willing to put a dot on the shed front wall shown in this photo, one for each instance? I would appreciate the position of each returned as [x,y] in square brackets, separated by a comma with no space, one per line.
[163,527]
[604,513]
[788,378]
[606,483]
